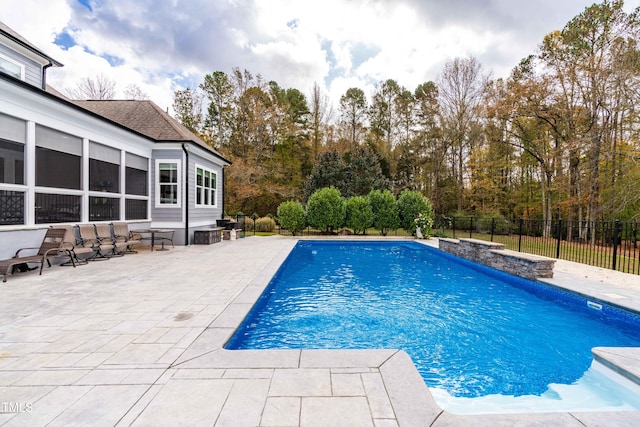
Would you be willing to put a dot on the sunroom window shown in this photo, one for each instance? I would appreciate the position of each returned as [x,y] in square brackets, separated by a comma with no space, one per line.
[167,183]
[206,181]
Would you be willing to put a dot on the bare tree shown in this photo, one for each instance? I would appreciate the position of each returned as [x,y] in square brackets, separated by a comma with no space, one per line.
[321,112]
[353,111]
[99,87]
[133,91]
[461,87]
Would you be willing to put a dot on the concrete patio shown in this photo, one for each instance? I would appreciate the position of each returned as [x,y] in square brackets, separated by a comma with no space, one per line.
[138,341]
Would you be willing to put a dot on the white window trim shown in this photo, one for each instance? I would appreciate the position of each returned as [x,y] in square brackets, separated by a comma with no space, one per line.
[178,183]
[14,62]
[195,180]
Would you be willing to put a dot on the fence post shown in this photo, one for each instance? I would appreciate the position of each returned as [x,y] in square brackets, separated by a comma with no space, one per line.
[558,237]
[453,225]
[616,237]
[470,227]
[493,227]
[520,235]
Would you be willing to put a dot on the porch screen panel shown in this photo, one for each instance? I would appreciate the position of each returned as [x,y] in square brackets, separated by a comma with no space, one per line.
[58,159]
[53,208]
[135,209]
[11,162]
[104,168]
[12,139]
[104,209]
[13,129]
[136,175]
[11,207]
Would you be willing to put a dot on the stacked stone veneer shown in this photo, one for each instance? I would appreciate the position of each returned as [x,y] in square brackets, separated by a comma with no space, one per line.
[496,256]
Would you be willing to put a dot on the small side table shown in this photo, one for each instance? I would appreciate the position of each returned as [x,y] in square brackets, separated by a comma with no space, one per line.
[154,231]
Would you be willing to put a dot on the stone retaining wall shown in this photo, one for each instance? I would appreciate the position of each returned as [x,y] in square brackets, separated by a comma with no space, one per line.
[496,256]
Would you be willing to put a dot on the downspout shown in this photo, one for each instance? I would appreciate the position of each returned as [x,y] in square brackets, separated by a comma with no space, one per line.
[186,198]
[223,187]
[44,75]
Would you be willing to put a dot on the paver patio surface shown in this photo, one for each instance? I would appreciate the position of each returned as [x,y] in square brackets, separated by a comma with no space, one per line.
[138,340]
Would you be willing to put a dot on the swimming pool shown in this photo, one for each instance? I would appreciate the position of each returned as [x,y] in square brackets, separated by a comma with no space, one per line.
[473,333]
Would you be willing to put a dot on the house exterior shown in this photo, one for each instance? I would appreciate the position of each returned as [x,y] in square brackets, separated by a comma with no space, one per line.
[71,162]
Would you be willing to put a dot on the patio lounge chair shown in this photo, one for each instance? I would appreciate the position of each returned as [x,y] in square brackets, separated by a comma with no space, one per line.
[122,233]
[101,250]
[103,231]
[79,252]
[52,246]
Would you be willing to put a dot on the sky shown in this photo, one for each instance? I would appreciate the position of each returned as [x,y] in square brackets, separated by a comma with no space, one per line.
[166,45]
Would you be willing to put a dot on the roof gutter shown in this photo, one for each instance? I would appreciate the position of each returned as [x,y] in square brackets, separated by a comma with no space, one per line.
[186,197]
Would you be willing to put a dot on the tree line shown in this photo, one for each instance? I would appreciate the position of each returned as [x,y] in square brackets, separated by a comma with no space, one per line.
[557,137]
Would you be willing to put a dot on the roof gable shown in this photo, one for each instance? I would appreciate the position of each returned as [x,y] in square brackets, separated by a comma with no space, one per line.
[25,45]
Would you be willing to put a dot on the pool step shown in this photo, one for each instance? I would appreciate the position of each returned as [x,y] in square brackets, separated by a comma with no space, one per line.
[622,360]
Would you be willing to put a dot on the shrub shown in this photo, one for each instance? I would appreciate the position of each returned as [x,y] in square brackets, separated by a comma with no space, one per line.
[265,224]
[249,224]
[291,216]
[326,209]
[425,223]
[410,205]
[385,211]
[359,215]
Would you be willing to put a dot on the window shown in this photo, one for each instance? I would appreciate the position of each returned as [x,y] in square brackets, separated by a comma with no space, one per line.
[206,181]
[11,67]
[168,183]
[104,168]
[58,159]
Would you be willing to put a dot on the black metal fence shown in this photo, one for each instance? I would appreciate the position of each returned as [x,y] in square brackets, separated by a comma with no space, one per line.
[251,228]
[607,244]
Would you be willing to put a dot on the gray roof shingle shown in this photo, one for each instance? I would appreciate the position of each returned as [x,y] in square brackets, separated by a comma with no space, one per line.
[147,118]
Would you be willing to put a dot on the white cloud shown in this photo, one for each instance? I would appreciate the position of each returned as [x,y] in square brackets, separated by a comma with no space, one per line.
[164,46]
[48,18]
[341,52]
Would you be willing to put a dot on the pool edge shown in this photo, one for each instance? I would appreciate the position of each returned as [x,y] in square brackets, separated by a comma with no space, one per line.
[408,392]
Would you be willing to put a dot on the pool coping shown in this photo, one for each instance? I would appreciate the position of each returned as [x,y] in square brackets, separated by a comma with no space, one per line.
[410,398]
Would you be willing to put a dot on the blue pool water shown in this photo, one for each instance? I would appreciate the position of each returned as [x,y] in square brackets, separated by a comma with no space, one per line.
[470,330]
